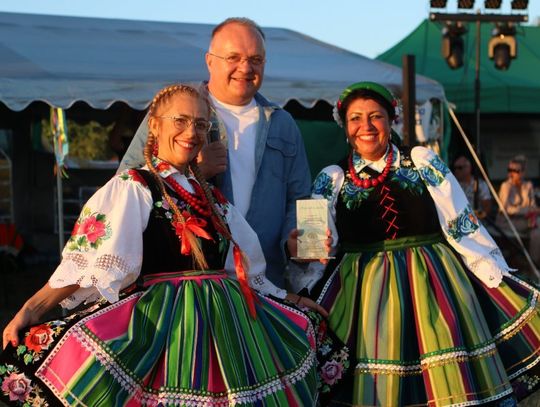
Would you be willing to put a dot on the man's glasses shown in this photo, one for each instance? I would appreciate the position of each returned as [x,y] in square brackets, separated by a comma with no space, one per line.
[201,126]
[510,169]
[235,59]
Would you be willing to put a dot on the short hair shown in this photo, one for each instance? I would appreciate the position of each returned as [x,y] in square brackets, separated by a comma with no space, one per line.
[521,160]
[246,22]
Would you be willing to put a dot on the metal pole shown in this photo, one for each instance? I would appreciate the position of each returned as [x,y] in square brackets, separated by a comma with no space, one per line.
[477,87]
[409,101]
[60,206]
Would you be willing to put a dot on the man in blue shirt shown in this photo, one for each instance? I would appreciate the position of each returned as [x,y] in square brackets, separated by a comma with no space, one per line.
[258,158]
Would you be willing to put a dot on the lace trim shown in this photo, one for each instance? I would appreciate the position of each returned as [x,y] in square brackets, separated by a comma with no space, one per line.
[495,255]
[525,317]
[456,356]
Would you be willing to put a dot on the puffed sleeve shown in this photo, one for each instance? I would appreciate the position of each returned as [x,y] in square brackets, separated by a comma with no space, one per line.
[458,222]
[104,253]
[248,241]
[327,185]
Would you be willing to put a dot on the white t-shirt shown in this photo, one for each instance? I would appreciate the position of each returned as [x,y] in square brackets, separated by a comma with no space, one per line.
[241,123]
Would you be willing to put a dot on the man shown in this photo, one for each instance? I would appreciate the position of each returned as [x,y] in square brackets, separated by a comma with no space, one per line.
[263,169]
[475,189]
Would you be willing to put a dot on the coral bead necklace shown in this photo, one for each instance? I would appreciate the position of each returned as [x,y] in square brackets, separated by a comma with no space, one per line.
[200,205]
[370,182]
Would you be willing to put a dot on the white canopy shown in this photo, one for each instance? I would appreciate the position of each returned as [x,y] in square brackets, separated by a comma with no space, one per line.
[61,60]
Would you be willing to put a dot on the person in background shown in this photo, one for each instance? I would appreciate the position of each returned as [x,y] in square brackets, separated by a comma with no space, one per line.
[203,326]
[259,156]
[419,292]
[517,197]
[475,189]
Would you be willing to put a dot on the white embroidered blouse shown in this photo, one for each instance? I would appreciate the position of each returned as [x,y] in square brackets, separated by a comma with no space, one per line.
[104,254]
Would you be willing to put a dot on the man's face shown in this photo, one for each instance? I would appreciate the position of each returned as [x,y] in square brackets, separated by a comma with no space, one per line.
[235,83]
[462,169]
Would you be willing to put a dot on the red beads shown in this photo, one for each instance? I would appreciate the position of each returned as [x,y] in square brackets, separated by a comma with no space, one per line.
[200,205]
[366,183]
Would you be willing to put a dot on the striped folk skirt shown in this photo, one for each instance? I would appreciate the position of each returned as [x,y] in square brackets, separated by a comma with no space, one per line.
[184,341]
[423,331]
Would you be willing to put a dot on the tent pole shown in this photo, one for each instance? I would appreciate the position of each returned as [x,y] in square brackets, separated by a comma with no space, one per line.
[60,207]
[409,100]
[477,87]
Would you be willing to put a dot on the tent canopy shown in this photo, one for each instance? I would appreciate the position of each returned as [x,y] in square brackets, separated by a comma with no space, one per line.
[61,60]
[516,90]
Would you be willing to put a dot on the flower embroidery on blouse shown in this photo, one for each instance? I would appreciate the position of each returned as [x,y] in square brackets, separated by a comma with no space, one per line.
[435,173]
[90,230]
[323,185]
[465,224]
[132,175]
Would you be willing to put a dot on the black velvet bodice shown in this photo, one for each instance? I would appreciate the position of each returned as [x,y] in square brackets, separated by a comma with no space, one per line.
[399,207]
[161,246]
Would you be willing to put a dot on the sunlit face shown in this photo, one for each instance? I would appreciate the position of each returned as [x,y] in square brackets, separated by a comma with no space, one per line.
[515,172]
[235,83]
[367,128]
[177,147]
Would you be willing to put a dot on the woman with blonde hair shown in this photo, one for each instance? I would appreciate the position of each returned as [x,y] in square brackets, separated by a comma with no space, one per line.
[203,327]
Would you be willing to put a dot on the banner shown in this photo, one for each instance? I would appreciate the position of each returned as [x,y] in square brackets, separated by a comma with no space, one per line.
[60,137]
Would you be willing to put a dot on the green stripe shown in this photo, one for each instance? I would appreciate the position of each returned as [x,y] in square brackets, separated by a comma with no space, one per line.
[395,244]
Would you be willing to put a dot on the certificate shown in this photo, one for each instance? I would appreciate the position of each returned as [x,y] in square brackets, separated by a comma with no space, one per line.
[312,224]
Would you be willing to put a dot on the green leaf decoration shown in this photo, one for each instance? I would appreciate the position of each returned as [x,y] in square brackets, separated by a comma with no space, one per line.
[20,350]
[28,358]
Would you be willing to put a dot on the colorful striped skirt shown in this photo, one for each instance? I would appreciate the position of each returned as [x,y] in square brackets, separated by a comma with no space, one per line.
[185,340]
[423,331]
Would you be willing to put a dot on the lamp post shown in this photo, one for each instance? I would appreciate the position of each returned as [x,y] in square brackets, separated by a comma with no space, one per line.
[478,18]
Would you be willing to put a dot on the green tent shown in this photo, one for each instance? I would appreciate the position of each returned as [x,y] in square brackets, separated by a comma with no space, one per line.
[516,90]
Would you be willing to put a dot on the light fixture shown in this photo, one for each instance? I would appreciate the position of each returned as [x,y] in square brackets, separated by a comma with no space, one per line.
[519,4]
[452,44]
[437,3]
[502,46]
[465,3]
[492,4]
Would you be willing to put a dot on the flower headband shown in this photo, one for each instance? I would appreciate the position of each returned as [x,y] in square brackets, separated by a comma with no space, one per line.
[371,86]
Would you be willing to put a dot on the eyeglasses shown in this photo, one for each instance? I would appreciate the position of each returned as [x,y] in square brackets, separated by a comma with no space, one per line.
[201,126]
[235,59]
[513,169]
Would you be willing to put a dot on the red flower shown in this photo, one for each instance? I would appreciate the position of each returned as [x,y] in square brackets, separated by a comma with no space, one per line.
[163,166]
[39,337]
[92,228]
[135,176]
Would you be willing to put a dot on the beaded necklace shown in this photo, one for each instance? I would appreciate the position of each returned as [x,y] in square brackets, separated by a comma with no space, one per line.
[198,204]
[370,182]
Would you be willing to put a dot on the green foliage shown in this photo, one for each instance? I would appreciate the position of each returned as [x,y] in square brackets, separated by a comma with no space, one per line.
[88,141]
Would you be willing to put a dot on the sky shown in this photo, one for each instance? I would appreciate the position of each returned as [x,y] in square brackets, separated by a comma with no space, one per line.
[367,27]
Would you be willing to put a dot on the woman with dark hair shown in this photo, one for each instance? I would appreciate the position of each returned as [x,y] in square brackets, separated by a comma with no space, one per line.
[419,291]
[204,327]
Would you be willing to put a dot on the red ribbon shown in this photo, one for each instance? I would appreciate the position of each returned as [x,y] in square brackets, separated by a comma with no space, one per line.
[193,225]
[241,274]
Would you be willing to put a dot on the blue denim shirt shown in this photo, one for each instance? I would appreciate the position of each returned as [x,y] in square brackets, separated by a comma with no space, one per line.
[283,176]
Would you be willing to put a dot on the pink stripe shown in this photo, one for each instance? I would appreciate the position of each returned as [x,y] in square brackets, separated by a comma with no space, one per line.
[176,280]
[114,322]
[64,365]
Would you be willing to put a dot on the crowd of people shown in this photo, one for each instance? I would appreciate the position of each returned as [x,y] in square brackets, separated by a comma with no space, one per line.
[175,267]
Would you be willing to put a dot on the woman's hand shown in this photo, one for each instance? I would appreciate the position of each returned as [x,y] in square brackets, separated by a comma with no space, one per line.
[30,313]
[21,320]
[306,302]
[292,246]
